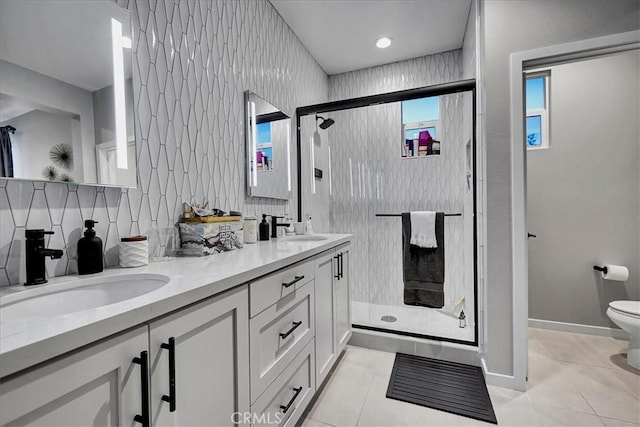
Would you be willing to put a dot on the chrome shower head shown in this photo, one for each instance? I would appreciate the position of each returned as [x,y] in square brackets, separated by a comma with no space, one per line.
[325,122]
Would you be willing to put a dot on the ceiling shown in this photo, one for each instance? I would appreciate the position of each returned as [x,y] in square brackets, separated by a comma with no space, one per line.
[66,39]
[341,34]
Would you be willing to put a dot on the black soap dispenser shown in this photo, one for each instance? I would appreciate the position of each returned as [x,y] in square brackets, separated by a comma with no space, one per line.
[264,228]
[90,250]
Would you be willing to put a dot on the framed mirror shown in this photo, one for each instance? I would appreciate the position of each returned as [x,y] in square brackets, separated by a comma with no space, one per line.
[66,92]
[268,149]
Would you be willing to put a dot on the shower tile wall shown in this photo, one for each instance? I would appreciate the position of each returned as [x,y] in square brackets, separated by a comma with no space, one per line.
[193,61]
[367,172]
[370,177]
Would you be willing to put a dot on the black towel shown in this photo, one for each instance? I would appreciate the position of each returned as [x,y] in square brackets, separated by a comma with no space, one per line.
[423,268]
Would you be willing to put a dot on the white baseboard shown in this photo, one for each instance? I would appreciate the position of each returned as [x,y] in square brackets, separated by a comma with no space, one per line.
[501,380]
[579,329]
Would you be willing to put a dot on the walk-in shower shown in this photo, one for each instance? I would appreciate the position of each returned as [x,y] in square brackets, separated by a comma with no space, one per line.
[387,154]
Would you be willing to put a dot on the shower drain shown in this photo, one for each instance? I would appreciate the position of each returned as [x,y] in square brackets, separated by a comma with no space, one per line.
[389,319]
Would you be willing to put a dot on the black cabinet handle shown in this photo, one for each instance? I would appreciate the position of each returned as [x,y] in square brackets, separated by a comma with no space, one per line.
[143,361]
[293,399]
[171,398]
[529,235]
[283,335]
[295,280]
[341,268]
[337,258]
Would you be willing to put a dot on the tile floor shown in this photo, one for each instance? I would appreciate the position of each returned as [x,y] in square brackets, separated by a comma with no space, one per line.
[574,380]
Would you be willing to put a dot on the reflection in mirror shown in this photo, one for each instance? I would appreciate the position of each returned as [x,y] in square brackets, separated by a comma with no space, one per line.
[268,152]
[66,92]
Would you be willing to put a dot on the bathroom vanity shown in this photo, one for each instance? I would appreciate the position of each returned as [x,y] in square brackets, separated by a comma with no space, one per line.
[244,337]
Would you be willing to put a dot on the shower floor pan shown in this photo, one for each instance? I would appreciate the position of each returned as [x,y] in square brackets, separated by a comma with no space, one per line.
[417,320]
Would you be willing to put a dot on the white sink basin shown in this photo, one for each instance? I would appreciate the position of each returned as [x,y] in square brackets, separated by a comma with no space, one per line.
[78,295]
[307,238]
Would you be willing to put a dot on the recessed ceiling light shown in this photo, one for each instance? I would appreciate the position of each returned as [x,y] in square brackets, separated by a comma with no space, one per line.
[383,42]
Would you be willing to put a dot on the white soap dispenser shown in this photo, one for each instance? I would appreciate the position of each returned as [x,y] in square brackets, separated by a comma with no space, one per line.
[308,228]
[289,230]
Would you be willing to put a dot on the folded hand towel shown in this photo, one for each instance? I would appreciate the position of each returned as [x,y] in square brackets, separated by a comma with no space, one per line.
[423,229]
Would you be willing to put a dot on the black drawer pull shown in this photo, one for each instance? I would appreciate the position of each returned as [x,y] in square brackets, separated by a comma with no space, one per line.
[341,271]
[293,399]
[337,258]
[295,280]
[283,335]
[143,361]
[171,398]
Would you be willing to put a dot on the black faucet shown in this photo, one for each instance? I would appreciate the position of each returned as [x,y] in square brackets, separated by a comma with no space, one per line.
[36,252]
[275,224]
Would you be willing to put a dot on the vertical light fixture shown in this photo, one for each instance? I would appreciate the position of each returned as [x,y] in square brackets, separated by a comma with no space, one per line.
[351,176]
[254,146]
[329,157]
[289,155]
[118,43]
[313,168]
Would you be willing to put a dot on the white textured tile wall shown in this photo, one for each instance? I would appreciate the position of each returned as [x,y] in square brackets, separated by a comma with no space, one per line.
[193,61]
[369,177]
[413,73]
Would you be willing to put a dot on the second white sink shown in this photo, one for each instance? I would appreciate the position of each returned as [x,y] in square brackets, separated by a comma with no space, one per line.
[78,295]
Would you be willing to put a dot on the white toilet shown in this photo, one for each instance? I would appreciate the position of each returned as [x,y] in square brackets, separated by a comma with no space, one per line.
[626,314]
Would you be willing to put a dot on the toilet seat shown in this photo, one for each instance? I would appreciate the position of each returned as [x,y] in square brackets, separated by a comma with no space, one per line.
[627,308]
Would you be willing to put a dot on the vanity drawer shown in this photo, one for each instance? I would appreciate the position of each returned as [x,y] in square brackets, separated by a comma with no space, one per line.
[286,399]
[269,289]
[278,334]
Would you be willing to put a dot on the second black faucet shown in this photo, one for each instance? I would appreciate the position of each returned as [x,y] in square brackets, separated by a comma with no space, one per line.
[275,224]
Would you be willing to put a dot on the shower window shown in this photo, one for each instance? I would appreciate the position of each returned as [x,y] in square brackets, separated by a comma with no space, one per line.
[420,122]
[537,105]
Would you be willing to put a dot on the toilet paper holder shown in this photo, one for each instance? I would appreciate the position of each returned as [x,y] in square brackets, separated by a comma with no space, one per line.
[598,268]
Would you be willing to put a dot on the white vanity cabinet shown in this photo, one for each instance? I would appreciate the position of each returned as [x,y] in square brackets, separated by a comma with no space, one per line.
[342,297]
[333,315]
[248,354]
[205,344]
[101,385]
[199,362]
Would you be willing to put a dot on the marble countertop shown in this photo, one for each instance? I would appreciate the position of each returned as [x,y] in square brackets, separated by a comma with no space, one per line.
[27,342]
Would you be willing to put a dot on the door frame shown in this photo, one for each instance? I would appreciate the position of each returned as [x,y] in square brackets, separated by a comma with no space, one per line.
[519,62]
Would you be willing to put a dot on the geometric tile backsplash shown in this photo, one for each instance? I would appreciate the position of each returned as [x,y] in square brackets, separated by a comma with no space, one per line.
[193,61]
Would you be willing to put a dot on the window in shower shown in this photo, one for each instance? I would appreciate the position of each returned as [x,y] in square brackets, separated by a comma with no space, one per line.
[420,122]
[537,105]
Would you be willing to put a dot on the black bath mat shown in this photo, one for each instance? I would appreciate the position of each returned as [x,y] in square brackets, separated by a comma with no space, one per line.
[447,386]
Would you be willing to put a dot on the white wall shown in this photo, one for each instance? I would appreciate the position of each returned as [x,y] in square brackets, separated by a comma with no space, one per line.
[582,192]
[514,26]
[36,132]
[44,91]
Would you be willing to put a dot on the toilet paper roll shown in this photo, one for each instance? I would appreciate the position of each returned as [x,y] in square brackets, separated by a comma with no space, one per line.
[615,272]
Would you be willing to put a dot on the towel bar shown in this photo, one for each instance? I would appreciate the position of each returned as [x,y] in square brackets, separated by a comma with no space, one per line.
[447,214]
